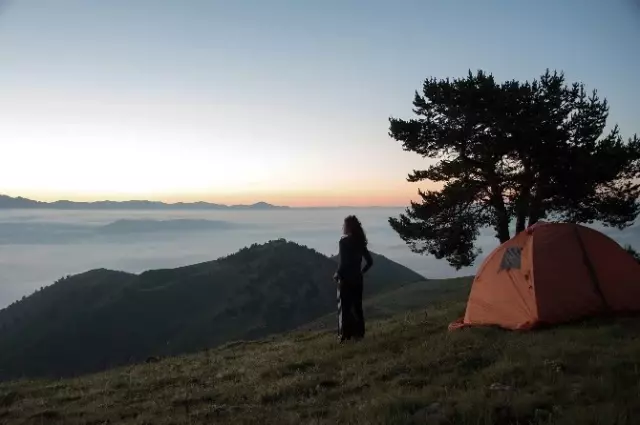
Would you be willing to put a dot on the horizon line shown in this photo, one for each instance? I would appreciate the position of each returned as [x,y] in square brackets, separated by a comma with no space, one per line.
[178,203]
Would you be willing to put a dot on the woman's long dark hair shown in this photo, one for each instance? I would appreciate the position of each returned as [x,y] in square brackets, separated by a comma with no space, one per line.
[354,228]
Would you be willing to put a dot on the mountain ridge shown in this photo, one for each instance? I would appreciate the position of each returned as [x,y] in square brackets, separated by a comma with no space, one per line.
[19,202]
[106,318]
[8,202]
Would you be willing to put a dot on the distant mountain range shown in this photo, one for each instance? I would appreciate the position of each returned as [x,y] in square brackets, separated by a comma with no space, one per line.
[29,232]
[104,318]
[8,202]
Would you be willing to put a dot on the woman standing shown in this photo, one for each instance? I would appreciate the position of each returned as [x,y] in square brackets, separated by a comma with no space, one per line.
[353,248]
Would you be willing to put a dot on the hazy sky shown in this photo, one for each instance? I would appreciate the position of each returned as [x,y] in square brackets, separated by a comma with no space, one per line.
[282,101]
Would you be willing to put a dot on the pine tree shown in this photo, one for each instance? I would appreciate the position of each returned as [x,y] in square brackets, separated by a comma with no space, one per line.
[512,152]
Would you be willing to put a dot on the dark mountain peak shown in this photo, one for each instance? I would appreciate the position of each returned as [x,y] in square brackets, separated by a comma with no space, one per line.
[276,251]
[273,244]
[99,273]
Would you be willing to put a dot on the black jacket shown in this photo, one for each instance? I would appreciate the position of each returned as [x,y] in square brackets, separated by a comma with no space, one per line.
[351,254]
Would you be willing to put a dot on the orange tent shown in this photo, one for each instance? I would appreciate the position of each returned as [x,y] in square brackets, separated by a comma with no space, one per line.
[552,273]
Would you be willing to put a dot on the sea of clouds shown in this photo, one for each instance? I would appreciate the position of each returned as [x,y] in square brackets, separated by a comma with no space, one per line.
[39,246]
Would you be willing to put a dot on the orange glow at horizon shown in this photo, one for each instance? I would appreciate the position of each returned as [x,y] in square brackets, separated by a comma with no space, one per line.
[398,195]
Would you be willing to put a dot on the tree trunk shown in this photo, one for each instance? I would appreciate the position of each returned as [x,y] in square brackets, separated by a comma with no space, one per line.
[538,189]
[534,210]
[502,218]
[521,212]
[524,198]
[502,228]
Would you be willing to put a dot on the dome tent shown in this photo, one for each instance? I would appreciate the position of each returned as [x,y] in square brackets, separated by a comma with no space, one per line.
[552,273]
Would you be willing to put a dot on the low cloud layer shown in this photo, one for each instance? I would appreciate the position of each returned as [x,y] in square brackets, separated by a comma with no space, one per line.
[36,248]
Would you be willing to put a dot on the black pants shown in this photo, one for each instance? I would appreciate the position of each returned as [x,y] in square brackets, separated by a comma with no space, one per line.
[350,315]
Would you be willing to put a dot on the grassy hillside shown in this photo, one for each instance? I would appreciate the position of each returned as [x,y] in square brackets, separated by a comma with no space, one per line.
[409,369]
[102,318]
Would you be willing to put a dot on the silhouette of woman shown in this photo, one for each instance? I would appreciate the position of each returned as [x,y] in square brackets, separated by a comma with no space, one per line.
[353,248]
